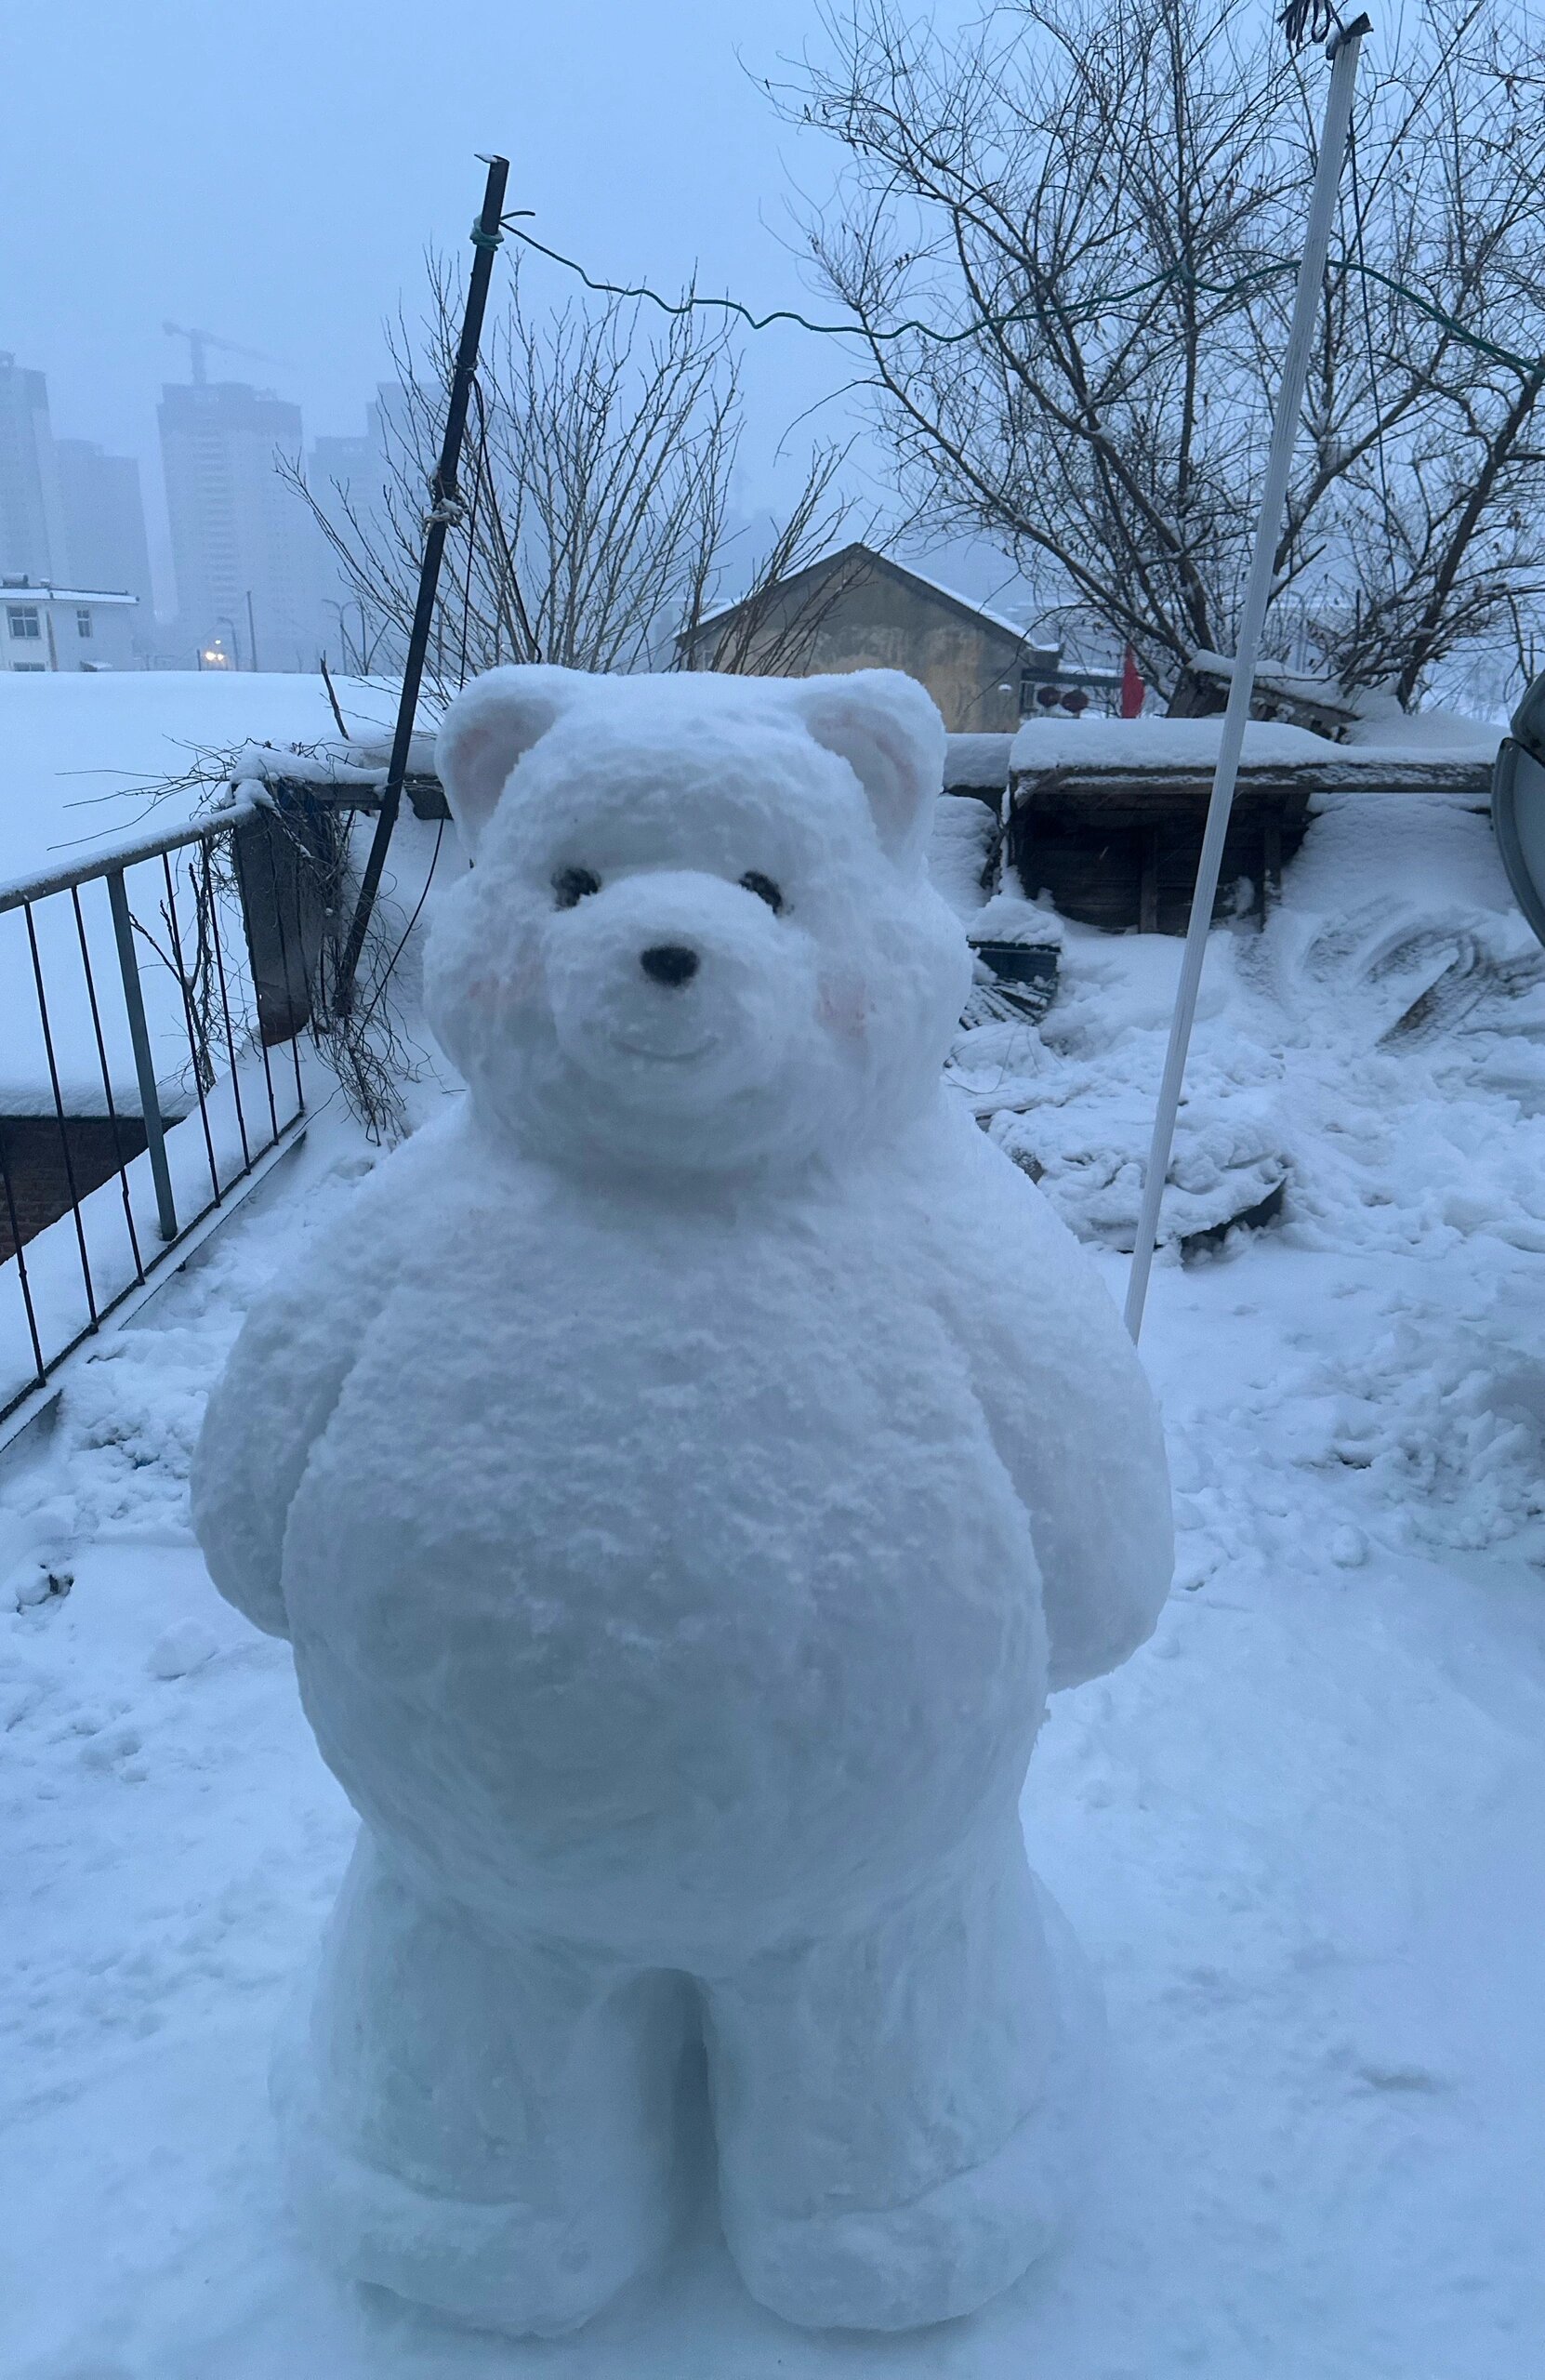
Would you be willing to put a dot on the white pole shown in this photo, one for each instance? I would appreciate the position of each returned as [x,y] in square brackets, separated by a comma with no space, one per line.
[1343,52]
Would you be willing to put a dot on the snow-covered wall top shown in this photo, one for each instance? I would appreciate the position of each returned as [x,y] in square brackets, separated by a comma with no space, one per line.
[977,760]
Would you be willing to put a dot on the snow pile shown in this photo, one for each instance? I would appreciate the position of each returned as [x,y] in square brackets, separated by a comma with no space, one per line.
[1192,743]
[1089,1157]
[1072,1102]
[1446,1417]
[1377,1054]
[1011,920]
[359,764]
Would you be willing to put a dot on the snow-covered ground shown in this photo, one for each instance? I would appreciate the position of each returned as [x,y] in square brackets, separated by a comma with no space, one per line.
[1302,1834]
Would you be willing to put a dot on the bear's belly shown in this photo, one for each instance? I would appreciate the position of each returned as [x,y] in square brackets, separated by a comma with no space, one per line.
[646,1617]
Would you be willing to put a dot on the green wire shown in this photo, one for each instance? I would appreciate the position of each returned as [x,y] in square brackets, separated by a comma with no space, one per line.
[1091,308]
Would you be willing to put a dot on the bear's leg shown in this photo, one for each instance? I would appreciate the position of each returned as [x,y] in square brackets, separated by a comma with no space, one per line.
[899,2110]
[481,2127]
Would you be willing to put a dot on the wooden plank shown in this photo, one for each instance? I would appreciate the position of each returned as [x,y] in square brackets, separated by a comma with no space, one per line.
[1145,786]
[425,793]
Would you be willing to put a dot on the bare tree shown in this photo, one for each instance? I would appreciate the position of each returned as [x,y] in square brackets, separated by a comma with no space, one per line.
[594,528]
[1069,240]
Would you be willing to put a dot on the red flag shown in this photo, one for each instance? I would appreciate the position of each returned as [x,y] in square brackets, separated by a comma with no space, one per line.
[1132,687]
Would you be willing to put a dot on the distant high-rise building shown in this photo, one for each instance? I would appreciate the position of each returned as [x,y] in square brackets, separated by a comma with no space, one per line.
[104,521]
[352,464]
[238,530]
[350,478]
[32,522]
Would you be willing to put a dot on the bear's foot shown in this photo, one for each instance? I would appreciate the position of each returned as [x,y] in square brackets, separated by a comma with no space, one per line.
[826,2246]
[511,2268]
[489,2128]
[947,2252]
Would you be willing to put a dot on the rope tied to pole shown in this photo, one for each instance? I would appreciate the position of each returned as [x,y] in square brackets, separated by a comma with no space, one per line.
[1304,21]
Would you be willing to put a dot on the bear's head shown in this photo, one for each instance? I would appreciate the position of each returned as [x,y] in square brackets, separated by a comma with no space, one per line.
[698,933]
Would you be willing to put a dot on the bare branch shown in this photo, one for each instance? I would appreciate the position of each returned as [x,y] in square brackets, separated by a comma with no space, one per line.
[1101,202]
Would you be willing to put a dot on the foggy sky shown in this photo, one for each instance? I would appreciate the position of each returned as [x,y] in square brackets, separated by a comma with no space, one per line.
[273,172]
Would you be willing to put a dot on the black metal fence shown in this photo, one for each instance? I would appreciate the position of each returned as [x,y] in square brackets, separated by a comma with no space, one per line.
[150,1004]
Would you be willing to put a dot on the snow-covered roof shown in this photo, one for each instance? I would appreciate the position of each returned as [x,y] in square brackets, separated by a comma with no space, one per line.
[78,751]
[1433,741]
[1091,743]
[858,552]
[32,590]
[1297,686]
[1015,628]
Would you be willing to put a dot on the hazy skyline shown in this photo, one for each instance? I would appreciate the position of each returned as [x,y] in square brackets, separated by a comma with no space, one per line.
[275,177]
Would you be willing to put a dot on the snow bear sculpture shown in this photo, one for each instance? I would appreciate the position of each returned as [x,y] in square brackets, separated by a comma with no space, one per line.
[681,1477]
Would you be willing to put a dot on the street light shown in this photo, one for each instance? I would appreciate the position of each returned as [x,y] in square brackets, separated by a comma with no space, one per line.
[356,658]
[225,621]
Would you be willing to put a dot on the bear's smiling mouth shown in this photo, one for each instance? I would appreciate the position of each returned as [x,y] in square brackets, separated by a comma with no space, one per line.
[664,1057]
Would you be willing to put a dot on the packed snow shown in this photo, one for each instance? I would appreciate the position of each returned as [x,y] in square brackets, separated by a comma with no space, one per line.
[1301,1835]
[678,1518]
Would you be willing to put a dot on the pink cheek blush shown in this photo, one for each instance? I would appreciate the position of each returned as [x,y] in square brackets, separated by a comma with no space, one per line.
[842,1008]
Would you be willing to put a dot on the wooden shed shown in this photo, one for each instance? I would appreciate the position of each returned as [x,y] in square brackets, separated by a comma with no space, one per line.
[1107,816]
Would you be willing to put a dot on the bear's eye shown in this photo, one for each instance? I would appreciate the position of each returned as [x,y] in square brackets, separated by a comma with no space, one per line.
[764,889]
[573,885]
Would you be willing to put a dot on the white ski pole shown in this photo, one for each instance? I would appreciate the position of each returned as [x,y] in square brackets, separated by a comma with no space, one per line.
[1342,51]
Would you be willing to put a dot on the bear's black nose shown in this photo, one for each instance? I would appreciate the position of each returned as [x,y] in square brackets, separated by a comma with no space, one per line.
[670,962]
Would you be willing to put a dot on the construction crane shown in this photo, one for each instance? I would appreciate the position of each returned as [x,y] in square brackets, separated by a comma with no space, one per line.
[199,340]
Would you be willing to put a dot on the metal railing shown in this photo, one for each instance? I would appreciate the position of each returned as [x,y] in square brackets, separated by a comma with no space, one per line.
[146,997]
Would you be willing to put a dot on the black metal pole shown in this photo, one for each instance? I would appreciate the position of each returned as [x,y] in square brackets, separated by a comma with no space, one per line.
[444,508]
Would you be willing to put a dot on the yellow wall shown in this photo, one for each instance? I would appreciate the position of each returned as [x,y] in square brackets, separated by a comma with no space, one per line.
[869,620]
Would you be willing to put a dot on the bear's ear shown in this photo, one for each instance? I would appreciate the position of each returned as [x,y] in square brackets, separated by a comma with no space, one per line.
[488,727]
[887,729]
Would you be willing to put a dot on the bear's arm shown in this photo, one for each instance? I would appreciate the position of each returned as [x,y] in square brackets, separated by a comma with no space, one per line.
[285,1375]
[1072,1420]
